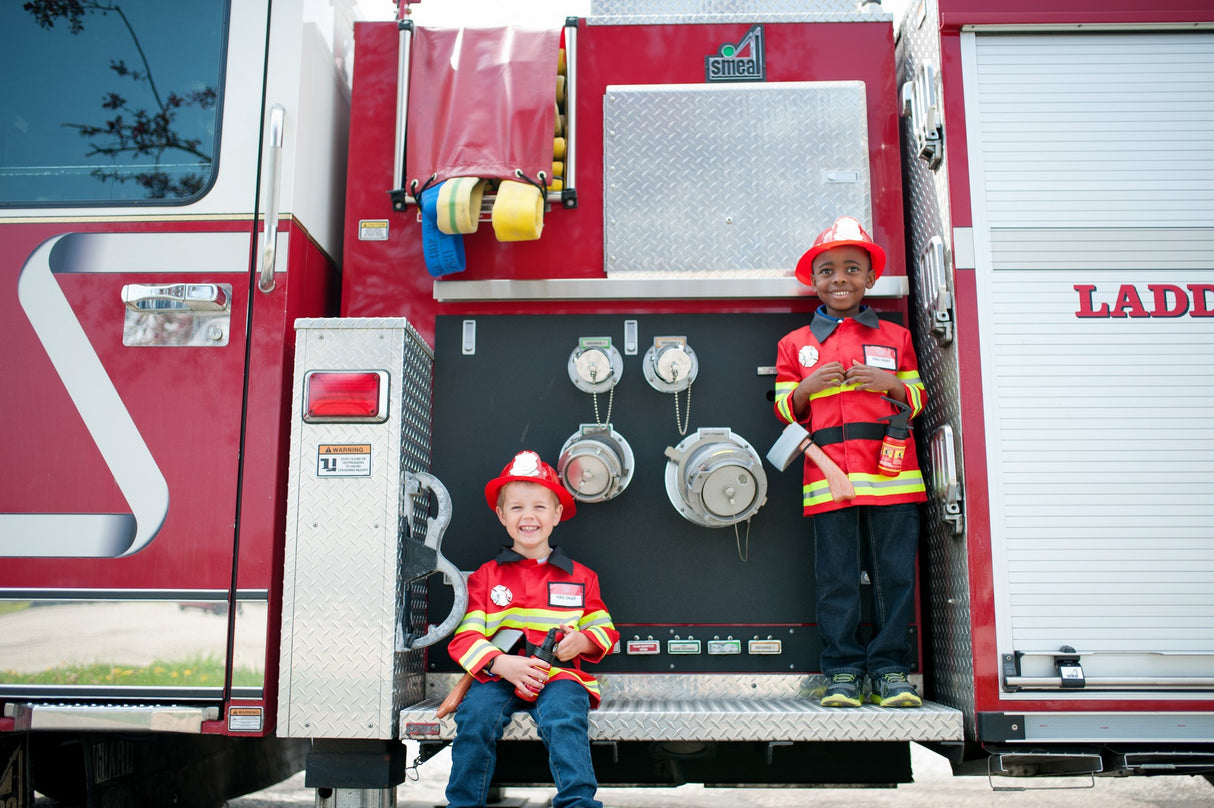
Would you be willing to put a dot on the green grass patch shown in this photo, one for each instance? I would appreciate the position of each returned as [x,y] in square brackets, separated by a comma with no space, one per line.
[197,672]
[10,606]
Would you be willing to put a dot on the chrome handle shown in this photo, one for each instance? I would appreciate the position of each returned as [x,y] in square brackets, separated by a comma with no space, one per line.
[273,180]
[147,298]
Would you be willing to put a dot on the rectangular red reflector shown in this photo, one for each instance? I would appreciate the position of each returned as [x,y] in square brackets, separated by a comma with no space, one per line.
[356,395]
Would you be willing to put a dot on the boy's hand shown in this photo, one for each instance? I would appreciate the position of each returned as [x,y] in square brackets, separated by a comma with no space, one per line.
[525,673]
[867,377]
[574,644]
[825,377]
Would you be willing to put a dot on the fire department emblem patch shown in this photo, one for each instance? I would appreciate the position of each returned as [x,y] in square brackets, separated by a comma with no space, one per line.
[808,356]
[501,595]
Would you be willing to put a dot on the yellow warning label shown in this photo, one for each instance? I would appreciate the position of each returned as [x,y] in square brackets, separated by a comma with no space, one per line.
[345,448]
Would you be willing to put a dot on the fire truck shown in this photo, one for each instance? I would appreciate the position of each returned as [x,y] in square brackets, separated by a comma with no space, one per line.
[286,291]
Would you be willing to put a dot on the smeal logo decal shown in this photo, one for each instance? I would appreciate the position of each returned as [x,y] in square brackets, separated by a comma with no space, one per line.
[1160,300]
[741,61]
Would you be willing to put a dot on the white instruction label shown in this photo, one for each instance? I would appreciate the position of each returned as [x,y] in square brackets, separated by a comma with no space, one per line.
[343,460]
[244,719]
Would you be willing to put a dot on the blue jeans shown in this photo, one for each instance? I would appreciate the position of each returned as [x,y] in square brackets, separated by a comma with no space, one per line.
[891,535]
[561,712]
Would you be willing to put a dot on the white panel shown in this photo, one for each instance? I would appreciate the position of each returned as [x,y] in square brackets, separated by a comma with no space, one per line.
[1092,165]
[1098,130]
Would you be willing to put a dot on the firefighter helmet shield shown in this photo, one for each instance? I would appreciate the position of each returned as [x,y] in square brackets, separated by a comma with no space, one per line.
[526,467]
[846,230]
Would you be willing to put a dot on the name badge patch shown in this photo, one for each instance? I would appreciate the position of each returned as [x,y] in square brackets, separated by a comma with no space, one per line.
[881,356]
[566,595]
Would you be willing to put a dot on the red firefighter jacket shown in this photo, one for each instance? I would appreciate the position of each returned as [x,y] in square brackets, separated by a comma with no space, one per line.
[517,592]
[844,420]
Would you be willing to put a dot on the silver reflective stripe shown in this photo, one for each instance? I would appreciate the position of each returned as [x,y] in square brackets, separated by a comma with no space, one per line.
[108,422]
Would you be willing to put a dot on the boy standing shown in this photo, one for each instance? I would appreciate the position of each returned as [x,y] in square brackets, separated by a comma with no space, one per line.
[831,377]
[534,587]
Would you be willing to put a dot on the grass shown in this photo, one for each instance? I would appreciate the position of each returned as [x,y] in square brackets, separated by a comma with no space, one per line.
[197,672]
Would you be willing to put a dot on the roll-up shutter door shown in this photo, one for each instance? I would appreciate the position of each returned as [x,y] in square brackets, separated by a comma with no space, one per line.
[1092,173]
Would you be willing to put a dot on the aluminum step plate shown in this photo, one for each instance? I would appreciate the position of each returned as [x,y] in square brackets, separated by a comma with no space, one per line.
[773,719]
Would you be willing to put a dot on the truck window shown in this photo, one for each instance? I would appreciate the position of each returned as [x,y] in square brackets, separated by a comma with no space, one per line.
[110,102]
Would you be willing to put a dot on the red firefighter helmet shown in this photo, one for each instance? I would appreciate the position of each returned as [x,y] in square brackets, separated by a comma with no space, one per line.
[526,467]
[845,230]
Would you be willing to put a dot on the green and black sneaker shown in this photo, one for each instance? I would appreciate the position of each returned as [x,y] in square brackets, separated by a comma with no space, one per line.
[893,690]
[843,691]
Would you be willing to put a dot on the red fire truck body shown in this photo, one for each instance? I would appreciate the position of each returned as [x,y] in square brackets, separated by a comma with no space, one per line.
[204,566]
[1036,184]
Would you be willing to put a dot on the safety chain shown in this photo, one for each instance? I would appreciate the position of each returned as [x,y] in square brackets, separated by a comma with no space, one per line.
[595,398]
[685,424]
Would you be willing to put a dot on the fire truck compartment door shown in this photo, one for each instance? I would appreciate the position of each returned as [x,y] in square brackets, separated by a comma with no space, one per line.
[1093,240]
[496,90]
[759,167]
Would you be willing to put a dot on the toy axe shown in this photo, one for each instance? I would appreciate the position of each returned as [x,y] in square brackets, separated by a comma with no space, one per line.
[503,640]
[793,442]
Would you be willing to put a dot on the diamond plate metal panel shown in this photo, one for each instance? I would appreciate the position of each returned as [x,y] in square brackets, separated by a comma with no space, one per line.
[648,12]
[341,676]
[729,181]
[707,708]
[952,669]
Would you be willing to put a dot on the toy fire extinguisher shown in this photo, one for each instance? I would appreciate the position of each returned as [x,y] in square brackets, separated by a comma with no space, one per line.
[547,652]
[897,434]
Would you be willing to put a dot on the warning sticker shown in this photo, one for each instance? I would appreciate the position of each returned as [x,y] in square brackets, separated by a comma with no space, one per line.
[244,719]
[343,460]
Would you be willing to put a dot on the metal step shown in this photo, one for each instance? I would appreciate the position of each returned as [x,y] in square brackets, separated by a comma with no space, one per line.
[661,707]
[111,717]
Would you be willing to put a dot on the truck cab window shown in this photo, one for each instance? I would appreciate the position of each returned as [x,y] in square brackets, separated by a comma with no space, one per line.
[110,103]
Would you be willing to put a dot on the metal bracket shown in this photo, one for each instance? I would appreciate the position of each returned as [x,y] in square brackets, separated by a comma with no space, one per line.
[1011,669]
[427,485]
[935,289]
[946,484]
[1070,671]
[920,103]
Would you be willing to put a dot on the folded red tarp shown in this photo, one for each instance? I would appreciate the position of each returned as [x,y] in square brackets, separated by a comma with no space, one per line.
[481,103]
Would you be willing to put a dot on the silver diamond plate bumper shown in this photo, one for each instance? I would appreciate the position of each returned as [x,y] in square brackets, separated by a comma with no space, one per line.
[649,707]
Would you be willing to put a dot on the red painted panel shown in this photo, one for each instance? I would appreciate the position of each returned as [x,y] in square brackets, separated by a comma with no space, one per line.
[388,278]
[184,402]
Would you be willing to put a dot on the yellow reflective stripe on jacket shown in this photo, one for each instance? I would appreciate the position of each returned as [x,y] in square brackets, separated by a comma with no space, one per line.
[599,637]
[476,655]
[595,619]
[535,619]
[867,485]
[914,390]
[832,391]
[586,681]
[784,391]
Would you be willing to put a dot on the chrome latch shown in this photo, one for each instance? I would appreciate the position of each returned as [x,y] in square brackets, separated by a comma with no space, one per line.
[194,315]
[144,298]
[1070,671]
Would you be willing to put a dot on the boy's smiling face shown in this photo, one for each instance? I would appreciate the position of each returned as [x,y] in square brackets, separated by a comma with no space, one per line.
[842,276]
[529,512]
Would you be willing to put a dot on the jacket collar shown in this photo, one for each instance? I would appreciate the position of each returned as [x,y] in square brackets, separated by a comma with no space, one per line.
[823,325]
[558,558]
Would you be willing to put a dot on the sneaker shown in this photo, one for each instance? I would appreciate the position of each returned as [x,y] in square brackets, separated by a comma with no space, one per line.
[843,691]
[893,690]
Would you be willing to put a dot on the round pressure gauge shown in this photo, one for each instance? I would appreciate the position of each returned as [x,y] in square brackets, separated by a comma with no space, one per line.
[595,464]
[714,478]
